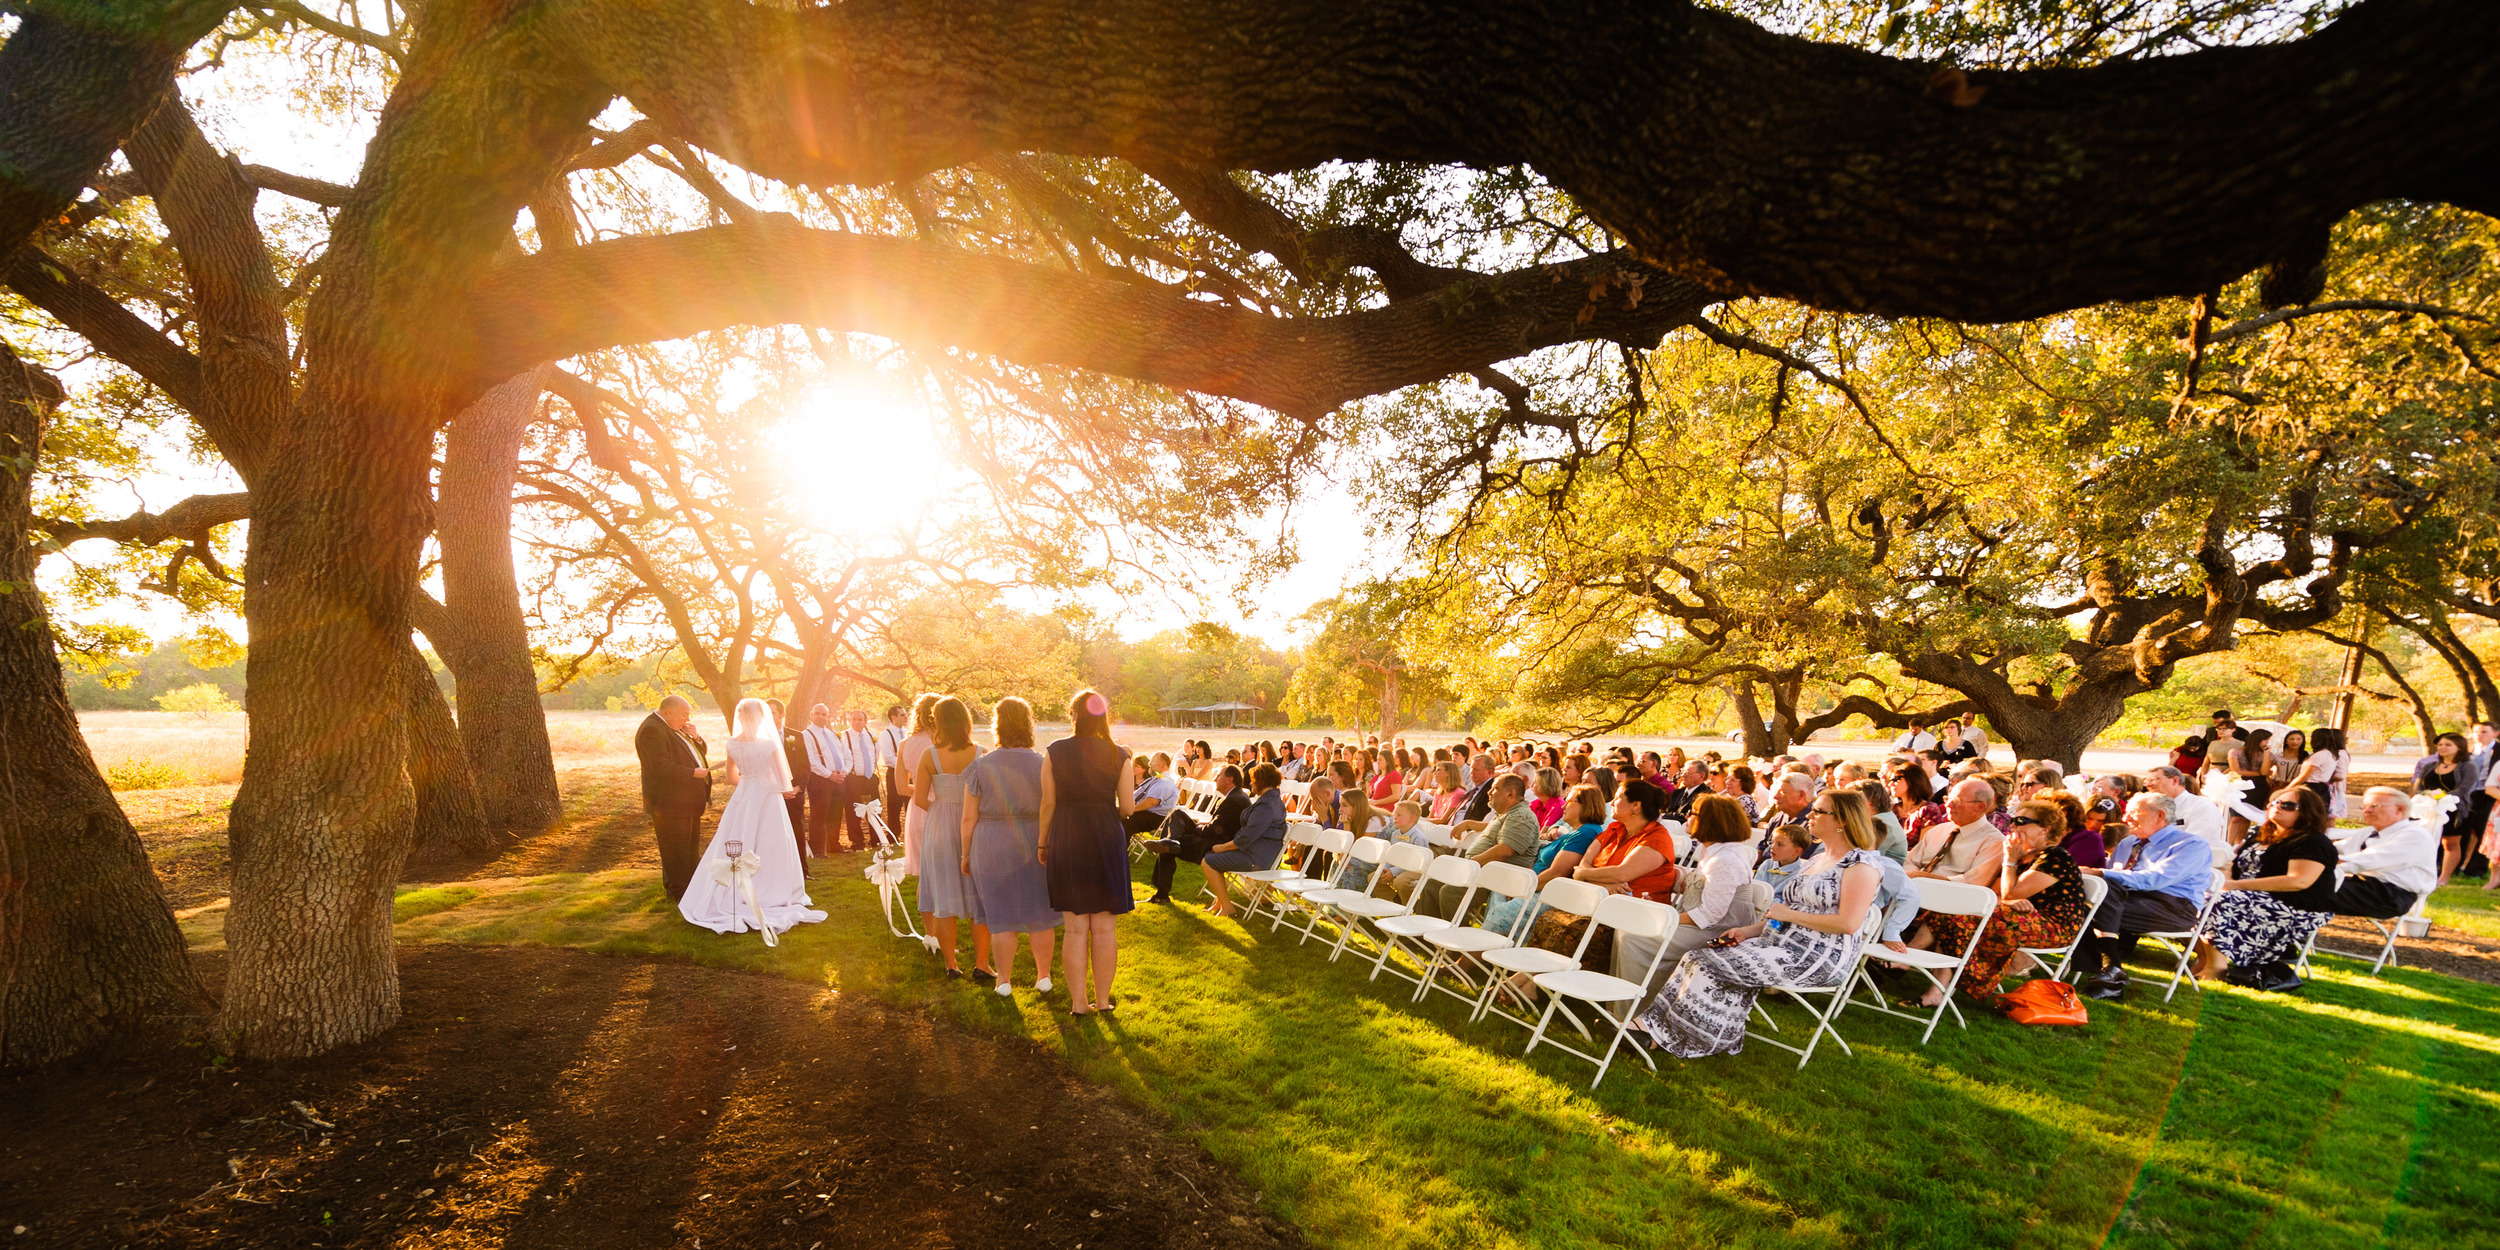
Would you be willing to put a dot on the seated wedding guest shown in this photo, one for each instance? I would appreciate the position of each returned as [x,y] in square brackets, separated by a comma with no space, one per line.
[2037,775]
[1703,1007]
[1635,855]
[1784,854]
[2082,839]
[2390,862]
[1791,795]
[1157,794]
[1509,835]
[2282,888]
[2157,877]
[1605,779]
[1478,805]
[1891,840]
[2043,901]
[1390,779]
[1255,847]
[1913,800]
[1002,832]
[1448,792]
[1690,784]
[1185,838]
[1966,846]
[1653,769]
[1405,825]
[1746,790]
[1548,803]
[1575,770]
[1566,841]
[1713,898]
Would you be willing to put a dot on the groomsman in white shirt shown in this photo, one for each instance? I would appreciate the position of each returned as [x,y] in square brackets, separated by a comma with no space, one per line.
[826,782]
[860,747]
[890,762]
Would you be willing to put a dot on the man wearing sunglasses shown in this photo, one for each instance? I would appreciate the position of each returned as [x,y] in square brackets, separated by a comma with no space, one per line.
[2157,876]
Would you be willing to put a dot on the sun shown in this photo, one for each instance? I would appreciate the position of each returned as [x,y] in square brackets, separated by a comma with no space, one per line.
[860,458]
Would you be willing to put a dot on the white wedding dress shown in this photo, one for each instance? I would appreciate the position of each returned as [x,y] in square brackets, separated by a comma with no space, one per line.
[758,820]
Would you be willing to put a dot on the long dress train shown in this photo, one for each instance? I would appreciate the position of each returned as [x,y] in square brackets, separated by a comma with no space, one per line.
[758,820]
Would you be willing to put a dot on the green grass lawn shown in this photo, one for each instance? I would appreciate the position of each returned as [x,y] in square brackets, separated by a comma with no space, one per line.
[2468,908]
[2363,1112]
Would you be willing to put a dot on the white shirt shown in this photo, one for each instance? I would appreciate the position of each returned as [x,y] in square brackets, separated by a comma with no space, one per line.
[859,751]
[2200,816]
[1914,741]
[2404,855]
[1725,868]
[825,755]
[889,746]
[1976,739]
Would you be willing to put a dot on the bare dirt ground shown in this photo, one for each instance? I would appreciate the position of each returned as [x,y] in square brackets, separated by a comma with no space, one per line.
[552,1098]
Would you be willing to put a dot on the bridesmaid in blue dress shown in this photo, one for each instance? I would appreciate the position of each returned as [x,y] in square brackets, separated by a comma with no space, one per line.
[1002,838]
[1085,848]
[945,889]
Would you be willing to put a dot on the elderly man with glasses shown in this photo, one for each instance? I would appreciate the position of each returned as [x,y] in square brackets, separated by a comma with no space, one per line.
[2157,875]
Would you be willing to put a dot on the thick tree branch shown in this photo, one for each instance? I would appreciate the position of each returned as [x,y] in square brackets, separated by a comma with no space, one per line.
[309,190]
[112,329]
[2242,329]
[191,520]
[550,306]
[1736,158]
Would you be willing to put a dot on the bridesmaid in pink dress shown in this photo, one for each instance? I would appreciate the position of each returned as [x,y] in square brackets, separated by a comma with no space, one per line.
[907,759]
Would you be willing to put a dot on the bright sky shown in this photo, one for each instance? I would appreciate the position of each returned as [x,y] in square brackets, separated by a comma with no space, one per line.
[247,111]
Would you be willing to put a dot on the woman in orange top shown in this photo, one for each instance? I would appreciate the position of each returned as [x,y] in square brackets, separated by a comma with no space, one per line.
[1635,855]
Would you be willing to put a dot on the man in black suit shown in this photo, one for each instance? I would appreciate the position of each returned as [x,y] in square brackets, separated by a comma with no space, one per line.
[1184,838]
[1694,783]
[794,749]
[676,788]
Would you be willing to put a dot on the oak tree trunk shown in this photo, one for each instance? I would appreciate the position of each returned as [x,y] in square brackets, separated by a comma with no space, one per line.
[481,634]
[87,945]
[450,818]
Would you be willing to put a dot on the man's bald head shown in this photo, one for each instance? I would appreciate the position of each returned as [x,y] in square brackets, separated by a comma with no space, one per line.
[1970,801]
[675,712]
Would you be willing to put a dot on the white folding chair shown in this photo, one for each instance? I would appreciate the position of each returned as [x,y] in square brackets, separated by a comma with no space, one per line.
[1365,850]
[1437,836]
[2094,890]
[1628,917]
[1833,995]
[2183,942]
[1405,932]
[1455,946]
[1254,884]
[1942,969]
[1327,856]
[1354,907]
[1562,894]
[885,869]
[2384,959]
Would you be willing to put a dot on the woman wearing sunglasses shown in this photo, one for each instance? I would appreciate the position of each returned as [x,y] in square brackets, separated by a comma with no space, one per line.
[2044,904]
[2282,888]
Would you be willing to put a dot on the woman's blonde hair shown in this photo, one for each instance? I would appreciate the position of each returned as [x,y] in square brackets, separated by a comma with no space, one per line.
[1855,816]
[1549,783]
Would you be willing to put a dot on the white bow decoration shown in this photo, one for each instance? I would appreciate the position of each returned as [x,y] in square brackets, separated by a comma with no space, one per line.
[886,872]
[2431,807]
[738,872]
[2232,794]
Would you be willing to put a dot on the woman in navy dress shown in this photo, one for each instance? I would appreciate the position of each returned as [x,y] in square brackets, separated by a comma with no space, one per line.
[1085,849]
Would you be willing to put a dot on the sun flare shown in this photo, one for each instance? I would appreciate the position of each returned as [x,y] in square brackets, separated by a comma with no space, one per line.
[861,457]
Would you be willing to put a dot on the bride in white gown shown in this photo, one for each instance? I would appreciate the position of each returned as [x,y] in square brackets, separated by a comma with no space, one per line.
[757,822]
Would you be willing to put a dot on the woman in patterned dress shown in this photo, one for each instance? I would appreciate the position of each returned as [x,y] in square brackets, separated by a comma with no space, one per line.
[1817,919]
[2044,901]
[2282,888]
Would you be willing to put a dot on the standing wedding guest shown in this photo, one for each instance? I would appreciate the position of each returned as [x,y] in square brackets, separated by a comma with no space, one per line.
[1084,849]
[2282,888]
[2325,769]
[2449,769]
[2189,757]
[1703,1008]
[755,829]
[1714,898]
[938,790]
[859,784]
[1002,835]
[916,745]
[824,766]
[676,787]
[794,753]
[2289,757]
[890,763]
[2252,761]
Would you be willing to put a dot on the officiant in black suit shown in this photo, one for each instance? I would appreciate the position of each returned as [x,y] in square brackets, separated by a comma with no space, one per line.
[676,788]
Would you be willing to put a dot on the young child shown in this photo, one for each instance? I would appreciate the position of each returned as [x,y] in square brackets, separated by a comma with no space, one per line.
[1788,854]
[1405,825]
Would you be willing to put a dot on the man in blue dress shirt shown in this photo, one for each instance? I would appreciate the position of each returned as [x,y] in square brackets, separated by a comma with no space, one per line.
[2158,875]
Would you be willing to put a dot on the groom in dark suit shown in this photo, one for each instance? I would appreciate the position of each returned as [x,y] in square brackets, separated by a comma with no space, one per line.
[676,788]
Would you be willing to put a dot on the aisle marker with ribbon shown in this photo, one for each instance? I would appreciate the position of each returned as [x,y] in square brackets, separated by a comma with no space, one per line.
[738,871]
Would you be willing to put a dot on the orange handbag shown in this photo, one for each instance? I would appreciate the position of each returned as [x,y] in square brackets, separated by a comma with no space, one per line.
[2044,1002]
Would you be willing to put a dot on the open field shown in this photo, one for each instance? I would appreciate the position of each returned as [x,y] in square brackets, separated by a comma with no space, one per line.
[2358,1113]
